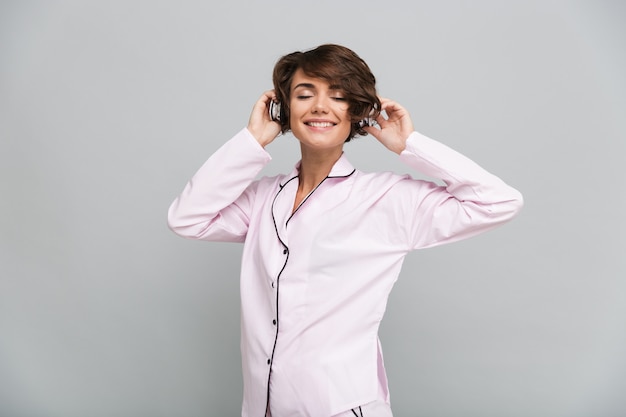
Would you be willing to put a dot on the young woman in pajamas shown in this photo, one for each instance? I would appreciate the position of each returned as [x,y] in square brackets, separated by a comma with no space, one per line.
[324,244]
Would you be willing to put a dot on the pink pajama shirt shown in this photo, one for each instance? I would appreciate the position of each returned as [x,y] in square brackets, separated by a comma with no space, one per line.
[315,281]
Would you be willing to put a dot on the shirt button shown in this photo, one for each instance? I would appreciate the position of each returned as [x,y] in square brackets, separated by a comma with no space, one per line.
[268,361]
[284,251]
[274,322]
[272,284]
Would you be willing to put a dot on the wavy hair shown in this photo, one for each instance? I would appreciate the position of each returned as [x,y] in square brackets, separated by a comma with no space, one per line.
[337,65]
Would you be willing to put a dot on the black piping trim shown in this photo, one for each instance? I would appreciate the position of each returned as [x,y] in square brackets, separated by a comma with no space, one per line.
[269,375]
[342,176]
[360,412]
[311,193]
[305,199]
[282,184]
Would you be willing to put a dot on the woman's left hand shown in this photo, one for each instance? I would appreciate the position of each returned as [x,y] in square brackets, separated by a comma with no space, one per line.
[395,129]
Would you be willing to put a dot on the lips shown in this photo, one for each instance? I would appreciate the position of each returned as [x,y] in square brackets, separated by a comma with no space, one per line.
[319,124]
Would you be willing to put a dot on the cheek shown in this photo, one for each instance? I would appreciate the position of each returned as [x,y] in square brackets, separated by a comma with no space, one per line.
[294,110]
[345,115]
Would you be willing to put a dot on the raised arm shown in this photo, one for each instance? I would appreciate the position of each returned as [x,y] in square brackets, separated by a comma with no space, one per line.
[471,201]
[216,202]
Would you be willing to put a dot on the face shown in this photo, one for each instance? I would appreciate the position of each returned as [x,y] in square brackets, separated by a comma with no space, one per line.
[318,113]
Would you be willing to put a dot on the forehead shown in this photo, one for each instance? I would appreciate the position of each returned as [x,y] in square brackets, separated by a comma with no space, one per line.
[302,80]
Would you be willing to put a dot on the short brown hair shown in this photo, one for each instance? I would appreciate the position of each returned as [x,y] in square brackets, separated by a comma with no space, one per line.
[337,65]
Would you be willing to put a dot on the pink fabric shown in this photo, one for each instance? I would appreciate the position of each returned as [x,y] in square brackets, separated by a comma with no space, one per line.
[314,283]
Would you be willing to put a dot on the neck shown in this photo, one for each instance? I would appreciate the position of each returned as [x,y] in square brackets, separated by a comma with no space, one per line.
[315,166]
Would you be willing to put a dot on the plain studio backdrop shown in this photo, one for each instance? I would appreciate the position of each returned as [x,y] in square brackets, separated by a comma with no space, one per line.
[108,108]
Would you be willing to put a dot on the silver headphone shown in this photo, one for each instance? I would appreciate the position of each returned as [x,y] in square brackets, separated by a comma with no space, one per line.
[275,108]
[274,111]
[368,121]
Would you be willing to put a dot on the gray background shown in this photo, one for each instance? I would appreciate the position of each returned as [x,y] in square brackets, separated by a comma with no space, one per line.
[107,108]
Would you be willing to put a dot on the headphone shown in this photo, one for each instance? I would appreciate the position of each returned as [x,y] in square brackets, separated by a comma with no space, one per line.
[275,115]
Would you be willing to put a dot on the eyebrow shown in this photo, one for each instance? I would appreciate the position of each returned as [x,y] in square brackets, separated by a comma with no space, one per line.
[304,85]
[309,85]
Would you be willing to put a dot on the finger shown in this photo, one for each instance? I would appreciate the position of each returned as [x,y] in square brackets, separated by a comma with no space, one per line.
[372,131]
[265,98]
[395,112]
[381,118]
[260,114]
[391,106]
[385,102]
[262,104]
[261,101]
[270,95]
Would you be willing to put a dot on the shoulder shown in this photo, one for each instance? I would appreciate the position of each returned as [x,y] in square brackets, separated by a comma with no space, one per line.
[391,186]
[378,180]
[270,184]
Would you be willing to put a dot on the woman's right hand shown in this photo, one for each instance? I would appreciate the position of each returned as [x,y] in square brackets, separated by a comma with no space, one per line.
[262,127]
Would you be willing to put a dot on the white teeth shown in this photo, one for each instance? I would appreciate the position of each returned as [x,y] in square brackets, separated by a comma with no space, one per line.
[320,124]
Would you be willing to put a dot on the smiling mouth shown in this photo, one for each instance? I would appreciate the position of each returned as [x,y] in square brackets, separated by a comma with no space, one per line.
[320,124]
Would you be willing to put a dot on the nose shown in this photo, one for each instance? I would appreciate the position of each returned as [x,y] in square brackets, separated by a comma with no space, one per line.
[320,105]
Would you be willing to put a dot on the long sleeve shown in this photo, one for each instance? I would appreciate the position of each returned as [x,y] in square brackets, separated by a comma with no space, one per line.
[472,200]
[215,204]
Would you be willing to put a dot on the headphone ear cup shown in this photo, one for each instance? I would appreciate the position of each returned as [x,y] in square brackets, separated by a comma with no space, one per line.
[275,111]
[368,121]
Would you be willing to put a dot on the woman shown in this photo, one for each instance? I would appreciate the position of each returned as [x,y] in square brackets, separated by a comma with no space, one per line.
[324,244]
